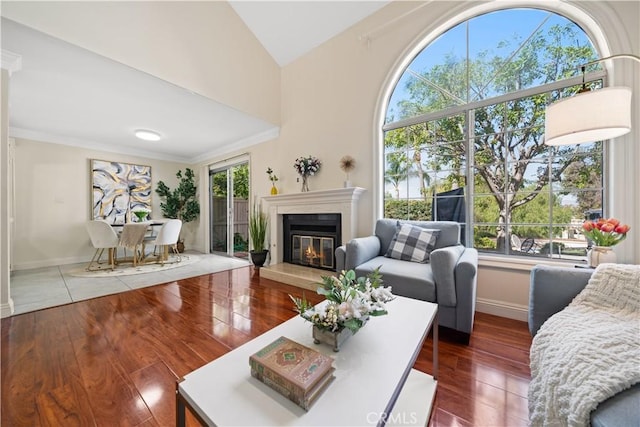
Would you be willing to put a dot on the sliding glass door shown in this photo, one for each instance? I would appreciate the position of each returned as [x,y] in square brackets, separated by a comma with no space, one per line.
[229,198]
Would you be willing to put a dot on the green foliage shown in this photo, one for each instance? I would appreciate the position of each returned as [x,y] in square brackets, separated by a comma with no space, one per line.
[240,182]
[258,223]
[181,203]
[417,210]
[397,170]
[240,244]
[480,242]
[585,174]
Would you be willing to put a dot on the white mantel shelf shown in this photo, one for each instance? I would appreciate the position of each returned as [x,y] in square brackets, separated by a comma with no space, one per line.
[319,196]
[343,201]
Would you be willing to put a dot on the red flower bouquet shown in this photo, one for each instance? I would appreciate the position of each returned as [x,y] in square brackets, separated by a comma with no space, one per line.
[605,232]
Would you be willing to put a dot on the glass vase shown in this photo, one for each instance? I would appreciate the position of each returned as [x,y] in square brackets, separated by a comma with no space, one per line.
[274,189]
[601,254]
[305,184]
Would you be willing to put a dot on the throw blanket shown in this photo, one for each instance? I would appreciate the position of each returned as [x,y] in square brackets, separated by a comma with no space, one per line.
[133,234]
[589,351]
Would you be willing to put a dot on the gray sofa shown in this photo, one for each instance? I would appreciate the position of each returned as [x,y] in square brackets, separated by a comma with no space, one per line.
[450,278]
[551,290]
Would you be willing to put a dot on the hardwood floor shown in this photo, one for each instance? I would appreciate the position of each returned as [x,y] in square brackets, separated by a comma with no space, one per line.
[115,360]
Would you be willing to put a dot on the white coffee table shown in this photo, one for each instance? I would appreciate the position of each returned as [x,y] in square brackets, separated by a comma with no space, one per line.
[371,370]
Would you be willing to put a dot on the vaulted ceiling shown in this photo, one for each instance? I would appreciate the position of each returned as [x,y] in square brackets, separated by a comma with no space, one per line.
[66,94]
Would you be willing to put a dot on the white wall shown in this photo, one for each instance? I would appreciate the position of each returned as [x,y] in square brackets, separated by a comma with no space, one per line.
[202,46]
[332,101]
[53,201]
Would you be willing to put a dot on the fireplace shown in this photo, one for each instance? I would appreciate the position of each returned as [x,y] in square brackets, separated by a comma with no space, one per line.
[342,201]
[311,239]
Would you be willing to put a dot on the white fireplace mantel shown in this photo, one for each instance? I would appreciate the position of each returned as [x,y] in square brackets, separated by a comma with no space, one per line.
[343,201]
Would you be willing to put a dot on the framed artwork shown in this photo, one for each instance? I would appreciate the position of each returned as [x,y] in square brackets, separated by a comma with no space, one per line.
[117,189]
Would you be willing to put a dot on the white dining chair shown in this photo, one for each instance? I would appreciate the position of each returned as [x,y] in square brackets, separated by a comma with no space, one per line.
[102,236]
[167,238]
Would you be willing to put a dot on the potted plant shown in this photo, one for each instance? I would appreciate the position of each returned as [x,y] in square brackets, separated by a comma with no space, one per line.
[258,232]
[180,203]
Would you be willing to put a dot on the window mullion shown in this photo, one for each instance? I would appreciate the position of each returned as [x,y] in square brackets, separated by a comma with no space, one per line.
[505,190]
[559,84]
[470,193]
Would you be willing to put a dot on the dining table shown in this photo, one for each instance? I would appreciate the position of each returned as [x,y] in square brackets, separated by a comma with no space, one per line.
[133,236]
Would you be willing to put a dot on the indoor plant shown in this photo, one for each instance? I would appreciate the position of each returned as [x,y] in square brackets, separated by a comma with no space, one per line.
[258,232]
[273,178]
[180,203]
[141,213]
[604,233]
[350,303]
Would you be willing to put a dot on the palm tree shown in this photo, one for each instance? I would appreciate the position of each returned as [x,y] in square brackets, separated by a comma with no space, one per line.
[397,171]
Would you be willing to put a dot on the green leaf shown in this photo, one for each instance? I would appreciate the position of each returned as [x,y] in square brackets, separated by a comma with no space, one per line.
[350,275]
[353,324]
[378,313]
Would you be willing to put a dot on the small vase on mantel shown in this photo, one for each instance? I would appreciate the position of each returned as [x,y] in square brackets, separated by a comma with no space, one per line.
[599,255]
[305,184]
[274,189]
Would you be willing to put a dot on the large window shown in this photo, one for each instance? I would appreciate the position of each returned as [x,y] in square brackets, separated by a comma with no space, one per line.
[464,136]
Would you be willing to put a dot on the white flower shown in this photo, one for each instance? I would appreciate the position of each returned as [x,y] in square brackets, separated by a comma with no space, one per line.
[349,298]
[382,294]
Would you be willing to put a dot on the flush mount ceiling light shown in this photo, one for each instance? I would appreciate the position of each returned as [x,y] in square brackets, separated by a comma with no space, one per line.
[147,135]
[590,115]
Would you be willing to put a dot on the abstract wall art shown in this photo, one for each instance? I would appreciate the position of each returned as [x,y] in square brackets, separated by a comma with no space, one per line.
[117,189]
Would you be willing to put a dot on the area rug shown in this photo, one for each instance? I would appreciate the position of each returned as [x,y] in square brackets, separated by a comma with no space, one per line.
[128,269]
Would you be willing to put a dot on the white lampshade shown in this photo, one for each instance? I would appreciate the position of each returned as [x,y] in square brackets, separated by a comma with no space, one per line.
[589,116]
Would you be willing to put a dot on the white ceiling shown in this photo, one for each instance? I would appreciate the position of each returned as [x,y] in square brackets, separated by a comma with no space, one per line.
[66,94]
[289,29]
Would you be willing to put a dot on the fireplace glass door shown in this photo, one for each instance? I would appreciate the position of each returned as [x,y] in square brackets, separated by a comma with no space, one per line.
[312,251]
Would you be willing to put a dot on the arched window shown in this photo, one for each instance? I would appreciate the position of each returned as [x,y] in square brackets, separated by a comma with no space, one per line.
[464,136]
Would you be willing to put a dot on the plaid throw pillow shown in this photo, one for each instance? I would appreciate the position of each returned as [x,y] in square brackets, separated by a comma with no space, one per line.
[412,243]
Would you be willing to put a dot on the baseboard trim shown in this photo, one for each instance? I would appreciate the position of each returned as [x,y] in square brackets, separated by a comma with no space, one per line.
[49,263]
[6,309]
[502,309]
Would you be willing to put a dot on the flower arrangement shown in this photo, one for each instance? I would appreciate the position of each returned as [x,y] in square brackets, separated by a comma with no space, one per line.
[306,166]
[605,232]
[272,176]
[350,301]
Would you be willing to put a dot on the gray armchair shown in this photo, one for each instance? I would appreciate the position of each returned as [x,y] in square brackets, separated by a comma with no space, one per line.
[449,279]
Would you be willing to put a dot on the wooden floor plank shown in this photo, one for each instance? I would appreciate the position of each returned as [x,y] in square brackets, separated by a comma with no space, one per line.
[115,359]
[67,405]
[156,384]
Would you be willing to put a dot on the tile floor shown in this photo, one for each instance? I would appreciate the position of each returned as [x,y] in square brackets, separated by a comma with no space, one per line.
[46,287]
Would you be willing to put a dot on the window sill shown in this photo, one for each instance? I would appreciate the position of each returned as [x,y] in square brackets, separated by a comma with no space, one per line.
[519,264]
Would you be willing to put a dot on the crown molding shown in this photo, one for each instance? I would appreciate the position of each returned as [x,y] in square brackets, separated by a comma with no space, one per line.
[11,61]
